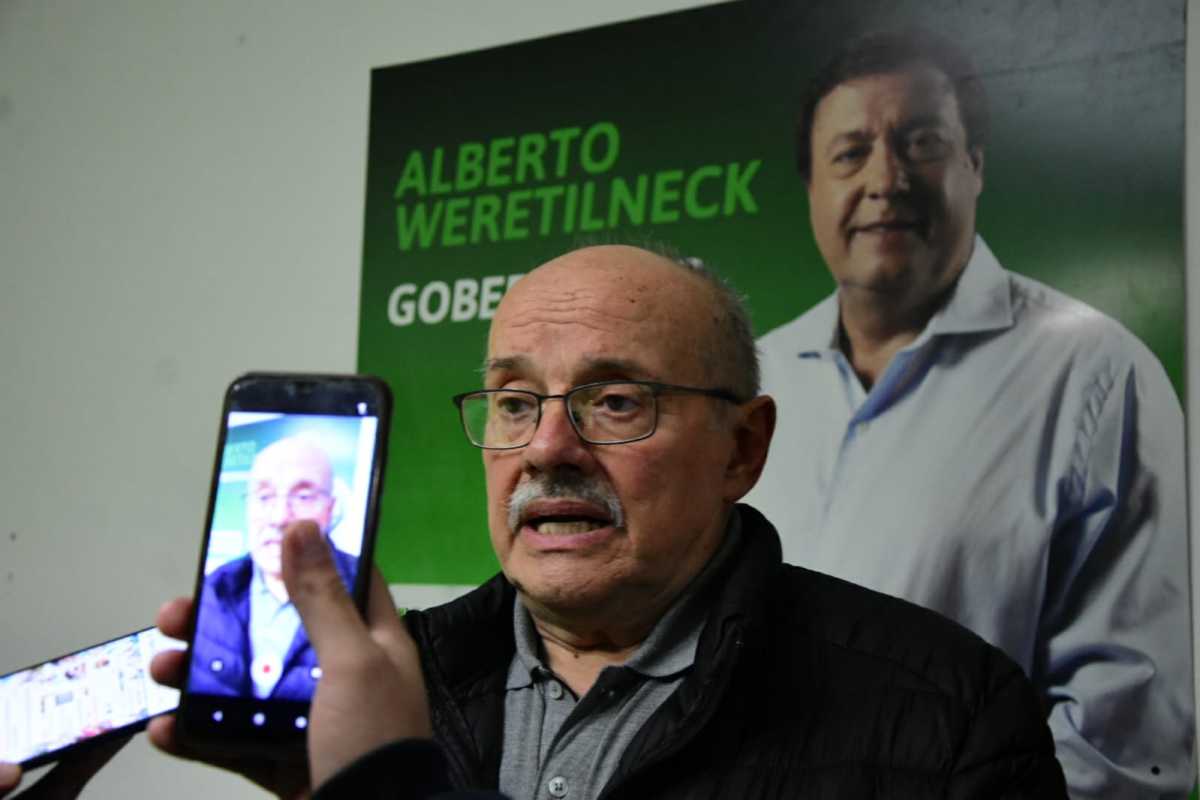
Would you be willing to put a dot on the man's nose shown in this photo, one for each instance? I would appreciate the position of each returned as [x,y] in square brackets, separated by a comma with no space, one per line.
[887,173]
[555,442]
[279,512]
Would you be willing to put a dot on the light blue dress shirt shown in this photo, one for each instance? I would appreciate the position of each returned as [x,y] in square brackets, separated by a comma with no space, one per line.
[1020,469]
[273,626]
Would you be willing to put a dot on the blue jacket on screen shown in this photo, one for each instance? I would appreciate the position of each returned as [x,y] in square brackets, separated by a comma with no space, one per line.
[221,649]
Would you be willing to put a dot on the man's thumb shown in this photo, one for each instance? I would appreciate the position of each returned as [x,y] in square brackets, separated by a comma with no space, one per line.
[315,587]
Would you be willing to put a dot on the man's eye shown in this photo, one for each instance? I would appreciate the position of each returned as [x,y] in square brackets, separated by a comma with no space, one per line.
[514,405]
[616,402]
[264,497]
[306,496]
[849,155]
[926,145]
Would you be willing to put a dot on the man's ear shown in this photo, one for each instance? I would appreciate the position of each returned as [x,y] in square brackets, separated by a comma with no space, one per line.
[752,433]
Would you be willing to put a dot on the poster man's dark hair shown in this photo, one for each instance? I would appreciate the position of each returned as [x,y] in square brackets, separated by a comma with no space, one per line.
[881,53]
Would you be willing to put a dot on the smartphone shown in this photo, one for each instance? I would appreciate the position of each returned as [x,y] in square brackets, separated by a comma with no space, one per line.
[290,447]
[105,690]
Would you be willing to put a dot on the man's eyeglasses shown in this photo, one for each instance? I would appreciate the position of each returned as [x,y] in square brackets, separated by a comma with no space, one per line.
[609,412]
[298,501]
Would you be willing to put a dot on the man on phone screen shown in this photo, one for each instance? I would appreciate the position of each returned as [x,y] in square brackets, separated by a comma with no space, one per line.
[249,640]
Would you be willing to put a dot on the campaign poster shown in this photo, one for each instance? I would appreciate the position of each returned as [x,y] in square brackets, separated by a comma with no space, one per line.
[680,129]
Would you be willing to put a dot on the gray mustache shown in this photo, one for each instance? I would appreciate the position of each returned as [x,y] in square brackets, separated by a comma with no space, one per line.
[589,489]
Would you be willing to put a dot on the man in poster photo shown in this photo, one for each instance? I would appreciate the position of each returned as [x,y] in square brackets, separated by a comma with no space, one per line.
[249,642]
[972,440]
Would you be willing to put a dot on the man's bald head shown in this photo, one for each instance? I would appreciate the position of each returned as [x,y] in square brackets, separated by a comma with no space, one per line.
[719,338]
[299,452]
[290,479]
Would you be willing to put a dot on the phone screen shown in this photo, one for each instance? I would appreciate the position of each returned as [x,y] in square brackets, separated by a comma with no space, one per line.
[103,689]
[252,670]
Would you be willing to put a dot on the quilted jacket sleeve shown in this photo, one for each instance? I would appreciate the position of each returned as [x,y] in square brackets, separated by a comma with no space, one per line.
[1008,752]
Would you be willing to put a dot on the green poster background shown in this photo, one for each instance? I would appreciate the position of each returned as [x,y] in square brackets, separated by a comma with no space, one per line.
[1083,190]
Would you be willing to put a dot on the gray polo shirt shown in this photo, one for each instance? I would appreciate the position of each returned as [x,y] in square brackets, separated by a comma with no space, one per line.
[558,746]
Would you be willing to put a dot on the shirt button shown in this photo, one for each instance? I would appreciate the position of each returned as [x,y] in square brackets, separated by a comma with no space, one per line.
[555,689]
[217,665]
[557,786]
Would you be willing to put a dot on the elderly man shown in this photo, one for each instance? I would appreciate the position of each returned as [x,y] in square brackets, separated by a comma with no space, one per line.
[249,641]
[644,638]
[971,440]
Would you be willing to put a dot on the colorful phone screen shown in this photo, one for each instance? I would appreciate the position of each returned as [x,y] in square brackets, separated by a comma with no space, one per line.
[95,691]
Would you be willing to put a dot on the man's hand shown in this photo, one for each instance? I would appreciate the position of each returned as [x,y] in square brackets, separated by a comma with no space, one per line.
[10,776]
[371,691]
[68,777]
[286,780]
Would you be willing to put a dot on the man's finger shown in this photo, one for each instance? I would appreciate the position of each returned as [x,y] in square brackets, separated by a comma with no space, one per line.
[381,611]
[169,667]
[389,630]
[161,733]
[10,776]
[316,589]
[173,617]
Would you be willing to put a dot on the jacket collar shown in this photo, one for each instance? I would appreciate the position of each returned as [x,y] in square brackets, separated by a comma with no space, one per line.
[467,646]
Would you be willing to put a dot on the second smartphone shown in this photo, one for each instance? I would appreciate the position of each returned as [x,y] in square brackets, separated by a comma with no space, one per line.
[73,701]
[290,447]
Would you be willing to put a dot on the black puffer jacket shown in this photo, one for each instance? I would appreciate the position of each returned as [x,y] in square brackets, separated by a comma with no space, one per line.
[804,686]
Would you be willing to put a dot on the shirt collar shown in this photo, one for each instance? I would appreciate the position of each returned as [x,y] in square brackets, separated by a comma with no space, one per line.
[527,664]
[259,591]
[980,302]
[668,650]
[671,646]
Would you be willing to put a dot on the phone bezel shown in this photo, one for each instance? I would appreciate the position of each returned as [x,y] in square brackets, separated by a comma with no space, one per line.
[284,393]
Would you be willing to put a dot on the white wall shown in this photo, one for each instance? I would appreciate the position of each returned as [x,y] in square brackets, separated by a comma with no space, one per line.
[181,200]
[181,190]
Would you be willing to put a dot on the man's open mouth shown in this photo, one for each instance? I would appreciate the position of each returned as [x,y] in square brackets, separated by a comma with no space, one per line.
[564,505]
[566,524]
